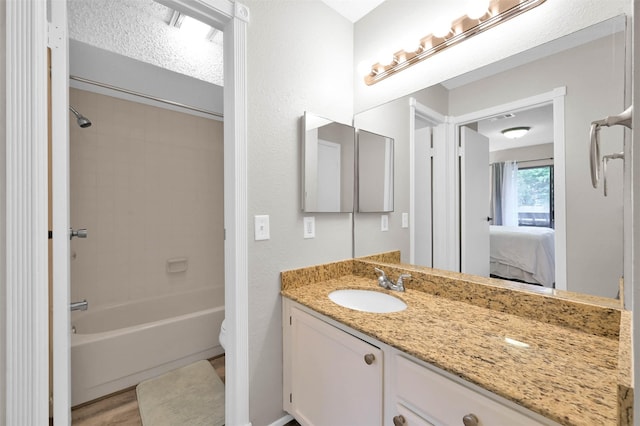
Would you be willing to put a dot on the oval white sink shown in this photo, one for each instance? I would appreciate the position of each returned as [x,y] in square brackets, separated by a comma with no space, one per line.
[367,301]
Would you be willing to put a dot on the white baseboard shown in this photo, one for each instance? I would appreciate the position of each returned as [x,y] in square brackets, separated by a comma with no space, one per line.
[282,421]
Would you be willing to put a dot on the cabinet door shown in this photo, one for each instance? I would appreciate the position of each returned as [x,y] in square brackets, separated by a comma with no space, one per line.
[336,378]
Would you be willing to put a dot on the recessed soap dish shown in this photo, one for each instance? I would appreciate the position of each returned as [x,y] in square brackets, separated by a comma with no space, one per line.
[177,264]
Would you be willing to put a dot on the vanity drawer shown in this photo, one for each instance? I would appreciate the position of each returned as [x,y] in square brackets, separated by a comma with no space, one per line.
[406,417]
[442,401]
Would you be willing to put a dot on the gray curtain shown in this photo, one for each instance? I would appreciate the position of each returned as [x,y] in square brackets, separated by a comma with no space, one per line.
[497,185]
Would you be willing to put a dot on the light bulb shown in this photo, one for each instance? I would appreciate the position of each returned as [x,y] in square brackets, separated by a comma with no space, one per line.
[385,59]
[364,68]
[442,29]
[476,9]
[194,28]
[411,45]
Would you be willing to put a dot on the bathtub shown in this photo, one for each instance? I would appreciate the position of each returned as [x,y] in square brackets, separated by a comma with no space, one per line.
[117,347]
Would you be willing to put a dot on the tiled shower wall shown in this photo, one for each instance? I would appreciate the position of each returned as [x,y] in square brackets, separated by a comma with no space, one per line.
[147,183]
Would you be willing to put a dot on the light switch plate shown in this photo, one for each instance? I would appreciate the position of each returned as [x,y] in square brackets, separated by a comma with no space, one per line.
[384,222]
[261,227]
[405,220]
[309,227]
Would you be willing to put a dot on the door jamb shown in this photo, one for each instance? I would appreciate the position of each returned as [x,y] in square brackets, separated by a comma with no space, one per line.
[436,121]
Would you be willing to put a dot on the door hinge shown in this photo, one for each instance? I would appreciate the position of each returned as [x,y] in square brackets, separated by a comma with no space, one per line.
[290,398]
[51,235]
[460,151]
[56,36]
[290,320]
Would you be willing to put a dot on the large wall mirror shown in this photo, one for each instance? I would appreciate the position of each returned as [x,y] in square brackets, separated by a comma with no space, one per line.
[328,165]
[444,131]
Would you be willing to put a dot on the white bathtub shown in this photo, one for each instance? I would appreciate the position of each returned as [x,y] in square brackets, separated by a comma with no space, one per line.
[120,346]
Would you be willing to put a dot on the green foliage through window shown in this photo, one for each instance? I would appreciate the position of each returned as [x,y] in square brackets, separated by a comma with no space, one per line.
[535,196]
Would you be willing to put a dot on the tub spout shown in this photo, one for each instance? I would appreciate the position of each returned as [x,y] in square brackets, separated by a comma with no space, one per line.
[79,306]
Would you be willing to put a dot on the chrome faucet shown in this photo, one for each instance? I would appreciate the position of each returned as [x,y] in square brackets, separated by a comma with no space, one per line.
[385,282]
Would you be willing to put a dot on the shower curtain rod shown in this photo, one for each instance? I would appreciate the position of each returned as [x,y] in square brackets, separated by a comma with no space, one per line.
[531,161]
[142,95]
[525,161]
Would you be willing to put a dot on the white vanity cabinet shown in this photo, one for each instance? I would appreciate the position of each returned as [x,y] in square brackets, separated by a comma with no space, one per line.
[333,378]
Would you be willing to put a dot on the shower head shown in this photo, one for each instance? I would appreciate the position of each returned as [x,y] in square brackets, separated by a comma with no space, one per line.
[82,121]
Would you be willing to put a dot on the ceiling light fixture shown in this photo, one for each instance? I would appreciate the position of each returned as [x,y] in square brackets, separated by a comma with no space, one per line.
[192,27]
[478,19]
[515,132]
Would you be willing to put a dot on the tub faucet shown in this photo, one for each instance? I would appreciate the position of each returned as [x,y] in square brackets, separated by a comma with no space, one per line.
[79,306]
[385,282]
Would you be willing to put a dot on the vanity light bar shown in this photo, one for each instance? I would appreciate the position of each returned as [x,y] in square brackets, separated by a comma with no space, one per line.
[463,28]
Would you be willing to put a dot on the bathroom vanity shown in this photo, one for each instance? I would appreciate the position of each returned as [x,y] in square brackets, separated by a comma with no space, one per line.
[466,350]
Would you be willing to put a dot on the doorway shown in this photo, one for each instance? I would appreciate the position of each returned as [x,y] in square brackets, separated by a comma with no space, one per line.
[550,104]
[507,196]
[233,20]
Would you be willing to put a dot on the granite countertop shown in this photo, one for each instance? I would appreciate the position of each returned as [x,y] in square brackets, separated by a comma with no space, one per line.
[565,374]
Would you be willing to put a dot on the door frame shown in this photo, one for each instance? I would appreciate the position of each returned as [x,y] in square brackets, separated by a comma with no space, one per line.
[26,302]
[556,97]
[437,122]
[27,399]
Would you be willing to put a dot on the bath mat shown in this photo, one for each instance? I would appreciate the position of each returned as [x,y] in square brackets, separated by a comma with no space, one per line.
[191,395]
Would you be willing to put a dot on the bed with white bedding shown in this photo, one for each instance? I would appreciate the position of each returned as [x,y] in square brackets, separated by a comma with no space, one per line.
[523,253]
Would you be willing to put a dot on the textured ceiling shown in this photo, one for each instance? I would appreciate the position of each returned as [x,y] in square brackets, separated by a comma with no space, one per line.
[139,29]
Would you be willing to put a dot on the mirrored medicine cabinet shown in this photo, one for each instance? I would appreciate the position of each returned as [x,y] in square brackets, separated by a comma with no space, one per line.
[334,157]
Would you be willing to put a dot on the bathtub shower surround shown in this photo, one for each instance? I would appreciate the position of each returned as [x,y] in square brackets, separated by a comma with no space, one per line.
[147,183]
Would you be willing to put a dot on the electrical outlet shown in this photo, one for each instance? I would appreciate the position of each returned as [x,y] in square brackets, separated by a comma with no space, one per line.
[405,220]
[384,222]
[261,227]
[309,223]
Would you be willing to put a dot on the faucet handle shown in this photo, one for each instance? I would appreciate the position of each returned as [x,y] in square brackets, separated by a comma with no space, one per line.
[382,278]
[403,277]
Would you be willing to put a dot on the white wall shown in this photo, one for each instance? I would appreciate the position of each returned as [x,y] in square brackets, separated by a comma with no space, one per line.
[300,58]
[386,27]
[594,77]
[3,202]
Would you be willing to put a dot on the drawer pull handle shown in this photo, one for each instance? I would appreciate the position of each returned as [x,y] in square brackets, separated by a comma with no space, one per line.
[470,420]
[399,421]
[369,358]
